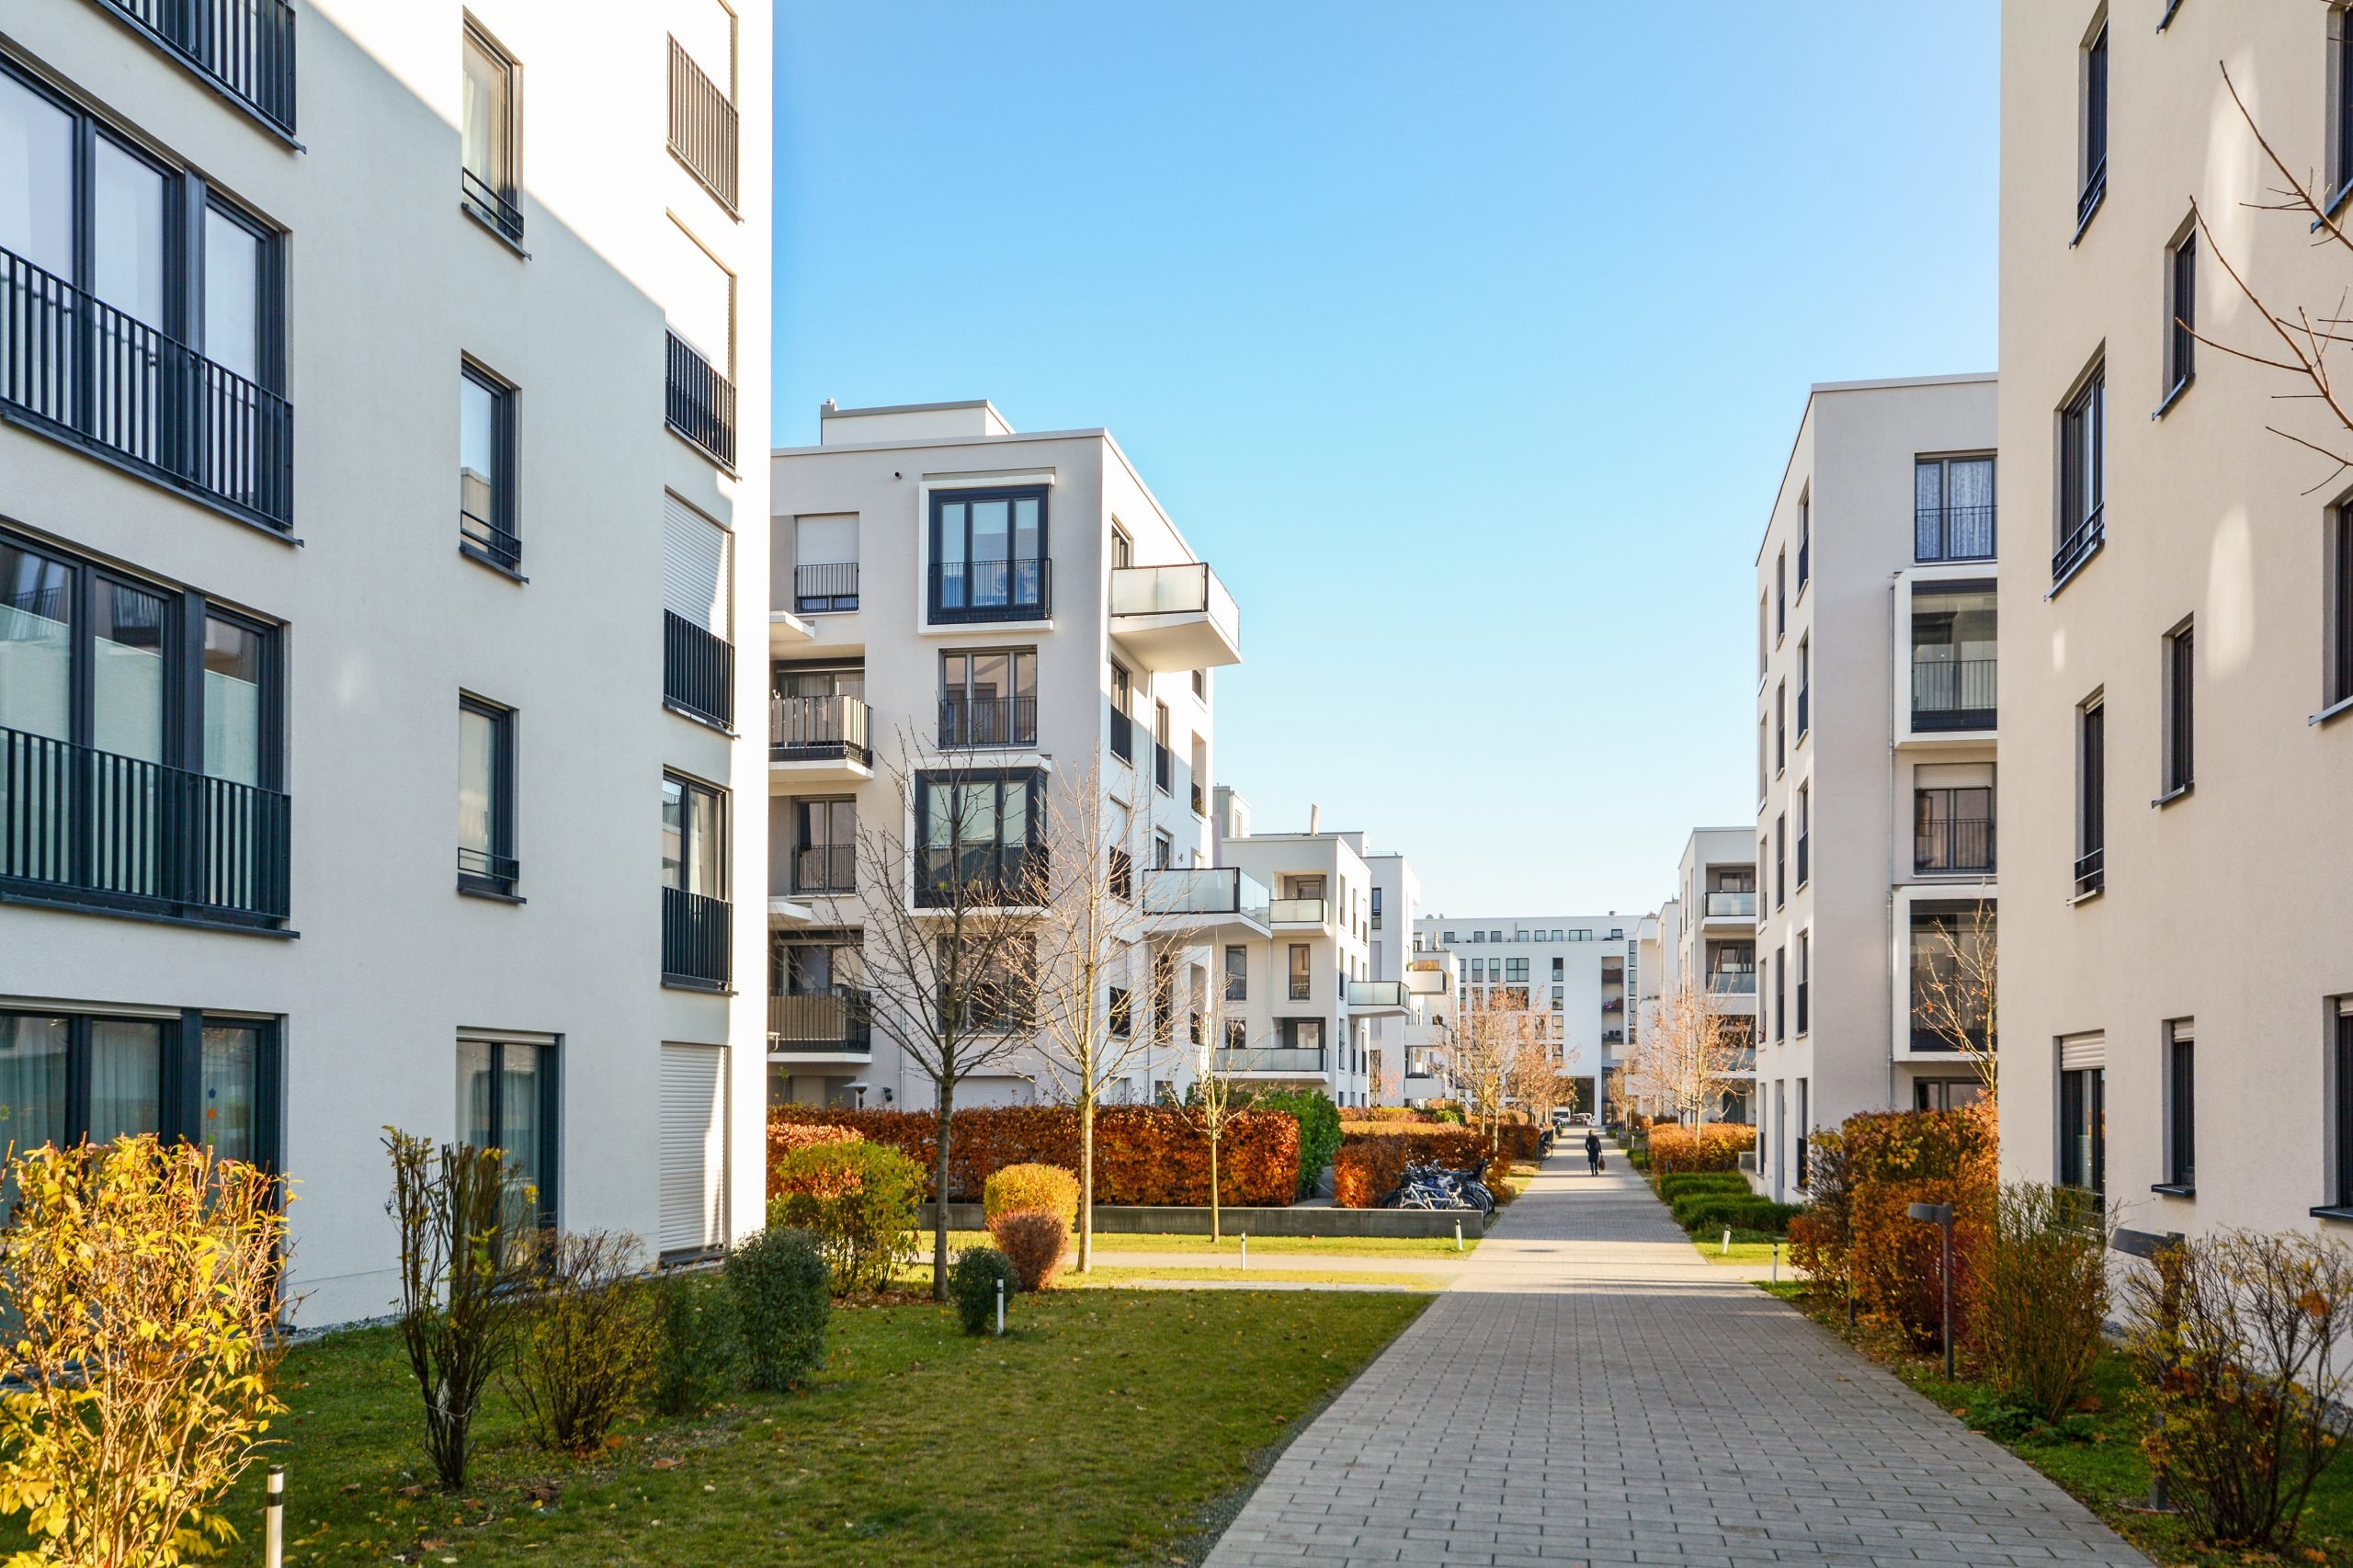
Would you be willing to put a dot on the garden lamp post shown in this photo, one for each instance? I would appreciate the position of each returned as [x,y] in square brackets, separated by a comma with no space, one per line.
[1941,1216]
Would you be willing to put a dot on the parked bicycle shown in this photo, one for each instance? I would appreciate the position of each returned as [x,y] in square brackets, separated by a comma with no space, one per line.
[1436,1187]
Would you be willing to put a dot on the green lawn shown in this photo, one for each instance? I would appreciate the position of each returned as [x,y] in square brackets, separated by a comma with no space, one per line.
[1260,1247]
[1103,1429]
[1747,1246]
[1107,1274]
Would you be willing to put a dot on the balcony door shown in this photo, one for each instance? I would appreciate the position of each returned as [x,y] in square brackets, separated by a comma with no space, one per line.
[825,855]
[988,553]
[1953,657]
[1952,822]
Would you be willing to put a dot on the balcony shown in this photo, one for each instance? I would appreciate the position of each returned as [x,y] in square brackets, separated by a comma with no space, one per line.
[77,369]
[703,134]
[1951,693]
[1300,911]
[2077,547]
[838,1021]
[1952,533]
[828,587]
[244,48]
[1428,982]
[1732,982]
[823,869]
[1613,1037]
[998,876]
[1956,844]
[1205,898]
[701,402]
[97,830]
[1377,996]
[974,723]
[1200,801]
[695,929]
[1175,618]
[817,740]
[698,673]
[966,593]
[1271,1060]
[1732,904]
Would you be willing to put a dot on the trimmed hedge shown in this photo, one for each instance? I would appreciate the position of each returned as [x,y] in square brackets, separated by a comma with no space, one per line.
[1145,1154]
[790,1137]
[1698,1211]
[1050,1189]
[1712,1146]
[1319,1127]
[1676,1183]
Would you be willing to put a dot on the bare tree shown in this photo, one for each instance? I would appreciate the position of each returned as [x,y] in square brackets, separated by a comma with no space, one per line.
[1495,1034]
[946,890]
[1688,1056]
[1954,996]
[1214,1097]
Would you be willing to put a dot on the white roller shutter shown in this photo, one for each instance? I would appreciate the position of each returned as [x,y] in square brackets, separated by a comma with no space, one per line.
[2079,1052]
[696,567]
[824,539]
[694,1148]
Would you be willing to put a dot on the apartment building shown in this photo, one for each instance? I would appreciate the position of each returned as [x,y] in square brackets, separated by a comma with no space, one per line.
[1433,985]
[2176,686]
[1710,938]
[951,596]
[1876,630]
[1581,971]
[272,297]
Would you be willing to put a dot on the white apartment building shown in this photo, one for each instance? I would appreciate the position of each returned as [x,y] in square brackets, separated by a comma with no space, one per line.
[945,586]
[1875,749]
[1710,936]
[272,298]
[1582,969]
[2178,668]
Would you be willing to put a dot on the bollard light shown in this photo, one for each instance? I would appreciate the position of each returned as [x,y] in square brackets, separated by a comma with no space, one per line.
[273,1518]
[1458,1235]
[1725,1250]
[1000,1306]
[1245,1249]
[1941,1216]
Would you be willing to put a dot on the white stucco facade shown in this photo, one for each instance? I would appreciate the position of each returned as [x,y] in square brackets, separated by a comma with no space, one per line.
[1584,971]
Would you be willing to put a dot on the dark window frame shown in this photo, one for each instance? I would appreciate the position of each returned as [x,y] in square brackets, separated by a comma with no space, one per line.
[547,1077]
[2337,608]
[2181,728]
[2092,189]
[1039,607]
[498,870]
[2082,523]
[1030,844]
[2181,316]
[2083,1098]
[180,1109]
[501,545]
[2181,1106]
[2091,797]
[499,209]
[1949,520]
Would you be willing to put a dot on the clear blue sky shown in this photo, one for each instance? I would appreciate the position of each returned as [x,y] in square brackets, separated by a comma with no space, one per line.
[1466,342]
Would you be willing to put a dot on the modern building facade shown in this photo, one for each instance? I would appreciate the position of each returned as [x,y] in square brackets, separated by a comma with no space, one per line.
[1711,936]
[1876,683]
[271,298]
[951,595]
[2177,669]
[1583,970]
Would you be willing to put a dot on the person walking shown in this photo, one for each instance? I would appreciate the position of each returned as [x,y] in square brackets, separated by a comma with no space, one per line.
[1592,1152]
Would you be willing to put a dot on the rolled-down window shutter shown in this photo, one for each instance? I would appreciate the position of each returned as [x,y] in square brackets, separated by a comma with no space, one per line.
[696,567]
[694,1148]
[2085,1050]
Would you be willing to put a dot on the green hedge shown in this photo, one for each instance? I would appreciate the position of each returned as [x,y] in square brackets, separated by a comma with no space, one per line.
[1675,1184]
[1698,1211]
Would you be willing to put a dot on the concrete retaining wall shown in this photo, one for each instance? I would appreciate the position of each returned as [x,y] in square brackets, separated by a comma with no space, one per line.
[1127,1220]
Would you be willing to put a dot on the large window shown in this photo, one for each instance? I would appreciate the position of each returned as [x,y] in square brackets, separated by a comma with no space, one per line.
[1952,828]
[1237,973]
[1955,656]
[989,698]
[486,859]
[697,616]
[2181,314]
[2341,1123]
[2182,1104]
[2094,170]
[66,1076]
[1953,509]
[2180,693]
[980,836]
[2083,1128]
[490,138]
[139,745]
[1298,971]
[2091,798]
[703,134]
[824,846]
[487,526]
[1805,834]
[2083,483]
[2337,607]
[988,555]
[1951,950]
[1805,976]
[696,916]
[508,1101]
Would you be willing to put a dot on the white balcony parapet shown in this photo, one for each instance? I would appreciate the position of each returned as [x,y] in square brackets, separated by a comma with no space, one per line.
[1175,618]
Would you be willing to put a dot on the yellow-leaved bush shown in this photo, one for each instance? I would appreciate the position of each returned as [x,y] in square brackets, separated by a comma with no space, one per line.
[1040,1187]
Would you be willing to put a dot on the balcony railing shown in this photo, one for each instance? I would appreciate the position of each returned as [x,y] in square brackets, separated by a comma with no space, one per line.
[1272,1059]
[817,729]
[494,205]
[76,368]
[1190,588]
[1952,533]
[1953,694]
[2079,543]
[968,591]
[1806,857]
[503,547]
[1201,804]
[825,869]
[702,127]
[1926,1039]
[1733,982]
[1805,710]
[1204,890]
[1956,844]
[824,588]
[2091,871]
[1123,736]
[837,1021]
[1162,778]
[997,875]
[702,402]
[697,672]
[92,827]
[244,47]
[482,871]
[1732,904]
[1376,993]
[1298,912]
[987,722]
[695,930]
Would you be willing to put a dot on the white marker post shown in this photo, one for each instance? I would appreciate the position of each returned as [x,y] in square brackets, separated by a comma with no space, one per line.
[1000,1307]
[1458,1235]
[1245,1249]
[1725,1250]
[273,1519]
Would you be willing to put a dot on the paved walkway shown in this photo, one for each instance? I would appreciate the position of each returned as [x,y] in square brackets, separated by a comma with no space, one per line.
[1591,1393]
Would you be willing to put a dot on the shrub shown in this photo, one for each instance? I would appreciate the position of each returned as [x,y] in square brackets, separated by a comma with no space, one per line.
[1019,1187]
[2042,1296]
[1712,1146]
[1675,1185]
[1817,1252]
[1698,1211]
[2239,1339]
[143,1291]
[1032,1241]
[858,1200]
[1862,1178]
[786,1137]
[973,1284]
[696,1361]
[1366,1172]
[1319,1127]
[589,1340]
[779,1292]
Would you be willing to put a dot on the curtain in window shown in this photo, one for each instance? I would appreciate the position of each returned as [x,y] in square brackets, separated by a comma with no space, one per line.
[229,1068]
[32,1079]
[126,1078]
[231,702]
[35,655]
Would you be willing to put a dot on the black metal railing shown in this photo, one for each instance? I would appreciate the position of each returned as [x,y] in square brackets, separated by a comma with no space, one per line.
[987,722]
[90,826]
[1123,736]
[824,588]
[1802,988]
[488,540]
[702,126]
[1953,694]
[2091,871]
[2094,190]
[992,874]
[1805,561]
[812,729]
[1955,844]
[486,872]
[695,929]
[839,1018]
[698,671]
[2081,540]
[1806,857]
[702,402]
[825,869]
[1018,589]
[1161,776]
[74,366]
[244,47]
[1200,804]
[1805,710]
[492,205]
[1953,533]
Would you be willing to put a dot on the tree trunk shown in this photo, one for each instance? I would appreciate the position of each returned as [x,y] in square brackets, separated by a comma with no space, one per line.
[1214,1237]
[1086,1175]
[939,1191]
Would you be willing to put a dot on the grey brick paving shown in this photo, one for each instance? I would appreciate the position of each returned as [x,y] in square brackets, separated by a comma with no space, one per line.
[1589,1392]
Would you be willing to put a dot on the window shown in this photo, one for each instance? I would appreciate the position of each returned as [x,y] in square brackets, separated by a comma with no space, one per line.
[1516,969]
[1805,832]
[1780,728]
[1298,958]
[2083,1128]
[1953,509]
[1123,742]
[1805,543]
[508,1101]
[2091,804]
[1955,656]
[1781,995]
[1301,1034]
[1163,997]
[1945,1093]
[1949,952]
[981,834]
[2082,479]
[1559,965]
[2180,690]
[490,137]
[1805,685]
[1376,909]
[144,310]
[999,986]
[698,295]
[1122,1012]
[1805,975]
[825,563]
[1780,595]
[1237,973]
[1781,868]
[2094,172]
[1163,851]
[139,755]
[1760,639]
[486,862]
[696,916]
[2182,1104]
[697,616]
[1201,685]
[2342,1130]
[1952,828]
[1161,774]
[824,846]
[988,555]
[989,698]
[703,134]
[2340,112]
[2181,314]
[2336,617]
[487,526]
[67,1076]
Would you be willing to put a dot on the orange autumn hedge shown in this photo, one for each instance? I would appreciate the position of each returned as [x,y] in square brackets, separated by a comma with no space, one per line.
[1711,1146]
[1143,1155]
[1863,1176]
